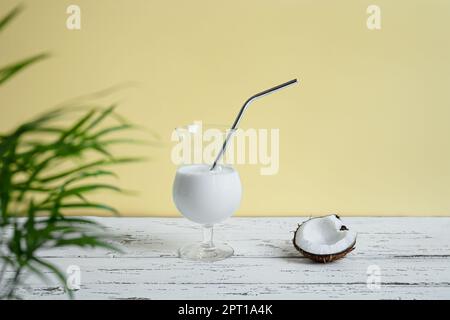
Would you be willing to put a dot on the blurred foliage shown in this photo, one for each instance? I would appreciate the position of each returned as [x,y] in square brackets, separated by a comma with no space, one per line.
[43,174]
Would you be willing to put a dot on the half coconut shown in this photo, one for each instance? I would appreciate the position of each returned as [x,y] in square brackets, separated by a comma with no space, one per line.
[324,239]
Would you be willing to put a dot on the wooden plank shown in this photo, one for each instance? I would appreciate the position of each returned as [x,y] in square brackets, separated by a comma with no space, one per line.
[413,255]
[146,278]
[270,237]
[245,291]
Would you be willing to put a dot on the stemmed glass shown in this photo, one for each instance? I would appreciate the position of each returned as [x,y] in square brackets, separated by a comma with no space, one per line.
[209,193]
[206,197]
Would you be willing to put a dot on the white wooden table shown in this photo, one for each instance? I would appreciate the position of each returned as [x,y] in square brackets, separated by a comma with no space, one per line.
[411,254]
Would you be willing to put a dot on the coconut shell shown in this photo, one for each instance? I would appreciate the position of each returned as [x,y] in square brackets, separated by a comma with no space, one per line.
[323,258]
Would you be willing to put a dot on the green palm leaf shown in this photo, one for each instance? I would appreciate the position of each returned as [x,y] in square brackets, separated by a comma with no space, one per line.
[10,16]
[43,179]
[10,70]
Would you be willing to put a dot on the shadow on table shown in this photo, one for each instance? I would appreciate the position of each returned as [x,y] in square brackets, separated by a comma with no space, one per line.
[151,245]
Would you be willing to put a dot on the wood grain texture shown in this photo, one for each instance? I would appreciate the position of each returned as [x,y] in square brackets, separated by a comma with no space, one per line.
[413,256]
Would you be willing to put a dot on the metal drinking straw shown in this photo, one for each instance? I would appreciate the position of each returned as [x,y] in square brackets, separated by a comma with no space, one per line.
[241,112]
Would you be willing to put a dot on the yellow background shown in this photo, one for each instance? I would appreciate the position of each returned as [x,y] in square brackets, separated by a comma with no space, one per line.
[366,133]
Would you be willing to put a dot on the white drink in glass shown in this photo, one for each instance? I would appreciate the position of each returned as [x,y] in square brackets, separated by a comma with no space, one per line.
[206,197]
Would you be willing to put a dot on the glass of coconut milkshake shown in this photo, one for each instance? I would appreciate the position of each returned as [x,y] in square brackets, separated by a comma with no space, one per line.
[205,191]
[206,197]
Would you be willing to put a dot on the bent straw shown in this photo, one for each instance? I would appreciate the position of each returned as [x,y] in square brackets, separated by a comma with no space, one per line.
[241,112]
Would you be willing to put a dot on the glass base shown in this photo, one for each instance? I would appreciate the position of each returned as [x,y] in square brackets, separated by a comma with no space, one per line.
[200,252]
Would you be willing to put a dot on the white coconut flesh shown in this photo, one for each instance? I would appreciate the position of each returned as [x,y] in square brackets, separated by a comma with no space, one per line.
[324,236]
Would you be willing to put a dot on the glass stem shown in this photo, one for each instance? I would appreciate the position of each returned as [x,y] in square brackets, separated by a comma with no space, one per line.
[207,242]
